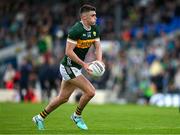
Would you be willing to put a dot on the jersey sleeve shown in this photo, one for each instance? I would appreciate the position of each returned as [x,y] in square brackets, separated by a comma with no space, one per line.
[73,35]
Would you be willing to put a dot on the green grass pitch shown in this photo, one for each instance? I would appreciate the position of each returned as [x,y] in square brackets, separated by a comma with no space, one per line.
[101,119]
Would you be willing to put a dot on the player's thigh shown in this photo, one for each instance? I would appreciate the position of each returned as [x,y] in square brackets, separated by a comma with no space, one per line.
[83,83]
[67,89]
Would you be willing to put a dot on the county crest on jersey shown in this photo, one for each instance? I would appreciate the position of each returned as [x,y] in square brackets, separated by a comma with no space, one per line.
[83,39]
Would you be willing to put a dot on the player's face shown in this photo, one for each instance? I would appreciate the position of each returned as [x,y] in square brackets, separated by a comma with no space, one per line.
[91,17]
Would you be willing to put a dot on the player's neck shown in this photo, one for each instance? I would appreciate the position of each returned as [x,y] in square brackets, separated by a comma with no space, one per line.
[85,25]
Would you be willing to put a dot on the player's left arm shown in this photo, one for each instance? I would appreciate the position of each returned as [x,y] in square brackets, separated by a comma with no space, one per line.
[98,51]
[97,44]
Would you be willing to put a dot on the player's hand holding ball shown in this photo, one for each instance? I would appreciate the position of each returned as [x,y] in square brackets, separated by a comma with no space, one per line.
[97,68]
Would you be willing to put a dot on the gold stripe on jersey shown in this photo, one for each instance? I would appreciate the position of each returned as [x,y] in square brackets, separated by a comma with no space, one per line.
[85,43]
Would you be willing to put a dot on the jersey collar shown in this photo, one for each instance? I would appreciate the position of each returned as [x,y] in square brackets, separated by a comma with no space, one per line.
[88,29]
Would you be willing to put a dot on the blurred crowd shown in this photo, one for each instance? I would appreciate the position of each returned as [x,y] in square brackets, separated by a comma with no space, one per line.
[147,62]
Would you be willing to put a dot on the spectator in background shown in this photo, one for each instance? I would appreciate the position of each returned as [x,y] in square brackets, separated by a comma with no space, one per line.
[9,76]
[177,47]
[30,95]
[25,70]
[42,71]
[52,77]
[156,72]
[177,80]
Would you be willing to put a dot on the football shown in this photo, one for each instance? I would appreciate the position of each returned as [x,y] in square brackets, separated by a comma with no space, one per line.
[97,68]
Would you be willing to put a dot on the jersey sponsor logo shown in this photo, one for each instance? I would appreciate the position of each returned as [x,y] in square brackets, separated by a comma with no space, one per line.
[84,35]
[89,34]
[85,43]
[94,33]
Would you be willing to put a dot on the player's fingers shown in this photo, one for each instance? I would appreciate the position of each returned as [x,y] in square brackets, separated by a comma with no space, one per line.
[89,70]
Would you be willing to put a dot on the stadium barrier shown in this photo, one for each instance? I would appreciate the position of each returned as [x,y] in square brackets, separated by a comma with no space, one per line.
[12,95]
[165,100]
[9,95]
[101,96]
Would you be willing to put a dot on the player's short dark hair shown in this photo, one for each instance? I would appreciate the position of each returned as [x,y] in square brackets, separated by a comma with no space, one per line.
[87,8]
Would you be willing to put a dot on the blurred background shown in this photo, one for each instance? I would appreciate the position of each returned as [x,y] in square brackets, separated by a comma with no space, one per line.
[140,41]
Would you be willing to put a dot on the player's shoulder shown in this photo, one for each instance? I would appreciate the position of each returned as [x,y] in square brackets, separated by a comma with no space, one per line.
[77,27]
[75,31]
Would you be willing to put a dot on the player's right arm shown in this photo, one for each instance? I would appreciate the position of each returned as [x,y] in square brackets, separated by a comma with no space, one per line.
[70,53]
[71,43]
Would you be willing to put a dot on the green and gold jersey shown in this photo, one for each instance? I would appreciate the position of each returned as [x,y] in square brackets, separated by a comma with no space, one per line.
[83,39]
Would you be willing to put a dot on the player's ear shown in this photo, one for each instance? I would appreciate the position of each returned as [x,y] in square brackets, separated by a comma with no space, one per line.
[83,16]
